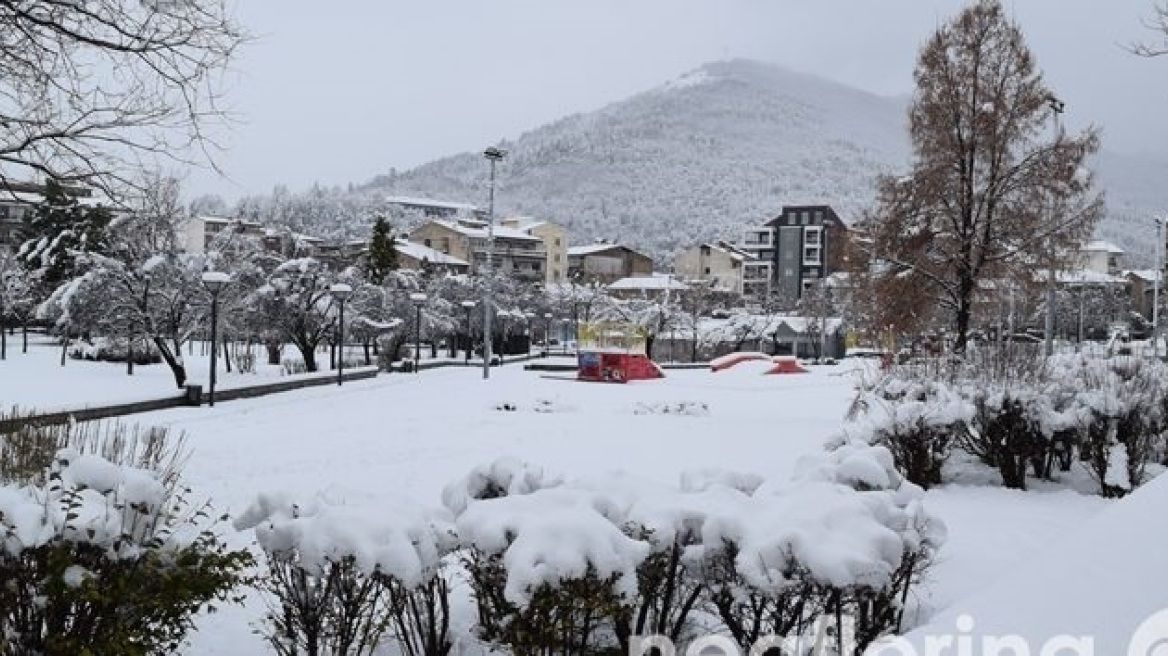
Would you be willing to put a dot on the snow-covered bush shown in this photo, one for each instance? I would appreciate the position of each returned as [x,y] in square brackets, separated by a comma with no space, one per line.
[339,578]
[102,556]
[1021,419]
[918,421]
[114,349]
[585,565]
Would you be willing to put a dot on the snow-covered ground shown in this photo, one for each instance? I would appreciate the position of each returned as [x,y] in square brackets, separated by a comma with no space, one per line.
[37,381]
[412,434]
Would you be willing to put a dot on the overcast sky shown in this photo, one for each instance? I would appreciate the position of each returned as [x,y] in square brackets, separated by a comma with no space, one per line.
[338,92]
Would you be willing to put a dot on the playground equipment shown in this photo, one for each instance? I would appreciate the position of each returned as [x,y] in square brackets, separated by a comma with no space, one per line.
[781,364]
[610,352]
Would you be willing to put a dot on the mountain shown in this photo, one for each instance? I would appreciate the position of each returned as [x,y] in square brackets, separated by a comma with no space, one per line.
[700,158]
[706,155]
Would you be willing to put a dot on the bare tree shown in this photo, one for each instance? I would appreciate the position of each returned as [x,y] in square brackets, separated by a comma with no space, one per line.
[1158,23]
[91,90]
[990,195]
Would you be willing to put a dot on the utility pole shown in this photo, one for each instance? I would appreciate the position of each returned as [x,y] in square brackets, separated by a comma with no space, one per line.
[1057,107]
[493,155]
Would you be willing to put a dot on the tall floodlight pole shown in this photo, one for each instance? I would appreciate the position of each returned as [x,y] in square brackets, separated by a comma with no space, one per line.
[1156,286]
[493,155]
[1057,107]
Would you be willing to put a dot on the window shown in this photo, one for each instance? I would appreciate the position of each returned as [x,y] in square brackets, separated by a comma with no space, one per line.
[807,284]
[812,236]
[557,241]
[556,258]
[811,255]
[707,271]
[805,217]
[813,272]
[427,243]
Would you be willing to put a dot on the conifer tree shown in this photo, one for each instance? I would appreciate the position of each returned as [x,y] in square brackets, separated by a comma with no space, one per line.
[382,254]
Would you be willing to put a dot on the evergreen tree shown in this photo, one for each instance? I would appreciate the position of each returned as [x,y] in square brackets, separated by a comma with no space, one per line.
[57,230]
[382,255]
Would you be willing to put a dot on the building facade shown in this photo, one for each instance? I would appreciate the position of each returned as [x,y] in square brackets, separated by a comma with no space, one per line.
[516,253]
[555,243]
[808,243]
[719,264]
[606,263]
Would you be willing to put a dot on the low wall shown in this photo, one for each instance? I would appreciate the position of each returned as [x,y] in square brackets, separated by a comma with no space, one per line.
[192,396]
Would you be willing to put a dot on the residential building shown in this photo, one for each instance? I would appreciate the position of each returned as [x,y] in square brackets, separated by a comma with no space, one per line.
[432,209]
[758,270]
[654,286]
[555,243]
[606,263]
[808,244]
[516,253]
[1101,257]
[719,264]
[1142,288]
[418,256]
[198,232]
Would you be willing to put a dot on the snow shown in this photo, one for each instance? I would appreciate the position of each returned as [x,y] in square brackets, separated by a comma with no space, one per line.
[368,463]
[422,253]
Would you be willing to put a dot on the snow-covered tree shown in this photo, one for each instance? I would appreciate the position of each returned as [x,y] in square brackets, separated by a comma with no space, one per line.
[382,256]
[57,230]
[295,301]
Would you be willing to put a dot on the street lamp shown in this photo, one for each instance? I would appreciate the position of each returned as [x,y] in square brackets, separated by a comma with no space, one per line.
[341,293]
[418,299]
[468,306]
[1057,107]
[494,156]
[214,281]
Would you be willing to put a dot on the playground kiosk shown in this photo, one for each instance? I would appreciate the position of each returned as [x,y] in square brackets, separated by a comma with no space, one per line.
[611,352]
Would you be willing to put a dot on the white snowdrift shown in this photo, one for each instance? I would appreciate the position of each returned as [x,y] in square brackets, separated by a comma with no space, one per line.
[1101,582]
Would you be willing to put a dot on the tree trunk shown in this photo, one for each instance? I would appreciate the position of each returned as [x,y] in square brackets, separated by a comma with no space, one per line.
[24,336]
[177,368]
[227,355]
[365,346]
[650,341]
[274,350]
[3,342]
[309,354]
[333,356]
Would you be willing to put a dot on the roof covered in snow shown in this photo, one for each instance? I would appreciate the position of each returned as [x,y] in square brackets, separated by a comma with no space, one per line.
[1104,246]
[410,201]
[478,230]
[599,247]
[423,253]
[649,283]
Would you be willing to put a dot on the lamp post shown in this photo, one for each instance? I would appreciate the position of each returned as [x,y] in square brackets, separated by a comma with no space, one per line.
[493,155]
[1057,107]
[529,317]
[341,293]
[214,281]
[1156,286]
[547,331]
[468,306]
[418,299]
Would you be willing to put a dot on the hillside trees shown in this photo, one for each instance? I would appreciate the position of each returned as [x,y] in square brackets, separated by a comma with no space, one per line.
[67,117]
[987,196]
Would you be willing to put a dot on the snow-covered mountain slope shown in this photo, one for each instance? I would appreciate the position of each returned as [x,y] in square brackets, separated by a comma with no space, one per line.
[717,150]
[701,157]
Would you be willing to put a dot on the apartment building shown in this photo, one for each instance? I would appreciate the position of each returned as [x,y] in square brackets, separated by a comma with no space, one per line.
[808,243]
[555,243]
[517,253]
[721,264]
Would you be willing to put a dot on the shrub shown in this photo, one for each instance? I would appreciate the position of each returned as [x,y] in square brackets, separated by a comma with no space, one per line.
[114,349]
[245,362]
[105,555]
[341,578]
